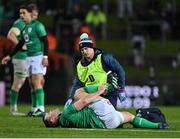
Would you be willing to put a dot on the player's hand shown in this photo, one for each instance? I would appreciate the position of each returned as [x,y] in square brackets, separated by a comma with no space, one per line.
[112,79]
[6,59]
[122,94]
[108,89]
[45,61]
[24,47]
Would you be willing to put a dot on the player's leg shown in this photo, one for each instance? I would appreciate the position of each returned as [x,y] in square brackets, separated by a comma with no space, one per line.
[33,98]
[37,80]
[14,93]
[107,113]
[20,74]
[39,91]
[34,101]
[141,122]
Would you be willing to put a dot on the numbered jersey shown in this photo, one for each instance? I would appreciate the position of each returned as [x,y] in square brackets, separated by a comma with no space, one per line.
[93,74]
[31,35]
[20,25]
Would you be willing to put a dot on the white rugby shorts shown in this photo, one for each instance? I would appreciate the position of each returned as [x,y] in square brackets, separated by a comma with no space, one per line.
[107,113]
[20,67]
[35,65]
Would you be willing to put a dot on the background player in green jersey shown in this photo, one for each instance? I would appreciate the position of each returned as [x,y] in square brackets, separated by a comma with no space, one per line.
[34,36]
[19,65]
[81,113]
[36,99]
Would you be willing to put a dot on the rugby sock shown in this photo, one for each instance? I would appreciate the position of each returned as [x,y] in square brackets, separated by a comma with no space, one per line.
[141,122]
[40,98]
[33,101]
[13,97]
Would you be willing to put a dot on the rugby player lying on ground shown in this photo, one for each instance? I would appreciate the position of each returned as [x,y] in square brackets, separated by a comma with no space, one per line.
[94,111]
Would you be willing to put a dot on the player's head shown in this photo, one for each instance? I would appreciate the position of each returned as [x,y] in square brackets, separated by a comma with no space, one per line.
[86,46]
[25,13]
[95,8]
[34,10]
[51,119]
[28,12]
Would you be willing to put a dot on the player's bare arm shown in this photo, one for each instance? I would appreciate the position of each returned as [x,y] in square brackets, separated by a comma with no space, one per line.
[12,35]
[86,99]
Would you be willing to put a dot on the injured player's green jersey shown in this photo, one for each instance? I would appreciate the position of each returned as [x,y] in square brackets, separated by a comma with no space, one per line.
[84,118]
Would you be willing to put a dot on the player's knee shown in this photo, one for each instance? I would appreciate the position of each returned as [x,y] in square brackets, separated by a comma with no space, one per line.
[42,81]
[17,84]
[36,84]
[131,116]
[15,88]
[128,117]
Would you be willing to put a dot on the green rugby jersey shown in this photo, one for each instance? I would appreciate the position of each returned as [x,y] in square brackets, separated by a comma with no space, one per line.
[31,35]
[19,23]
[85,118]
[93,74]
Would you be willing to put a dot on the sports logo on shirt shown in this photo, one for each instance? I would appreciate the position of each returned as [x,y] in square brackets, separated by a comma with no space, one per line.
[26,38]
[29,29]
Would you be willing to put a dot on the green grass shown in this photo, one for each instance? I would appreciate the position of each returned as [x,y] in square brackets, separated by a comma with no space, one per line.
[18,127]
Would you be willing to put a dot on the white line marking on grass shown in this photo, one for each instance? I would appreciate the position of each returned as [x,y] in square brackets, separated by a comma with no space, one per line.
[165,130]
[127,130]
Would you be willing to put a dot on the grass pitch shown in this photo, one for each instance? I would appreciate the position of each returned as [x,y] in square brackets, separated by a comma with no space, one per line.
[32,127]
